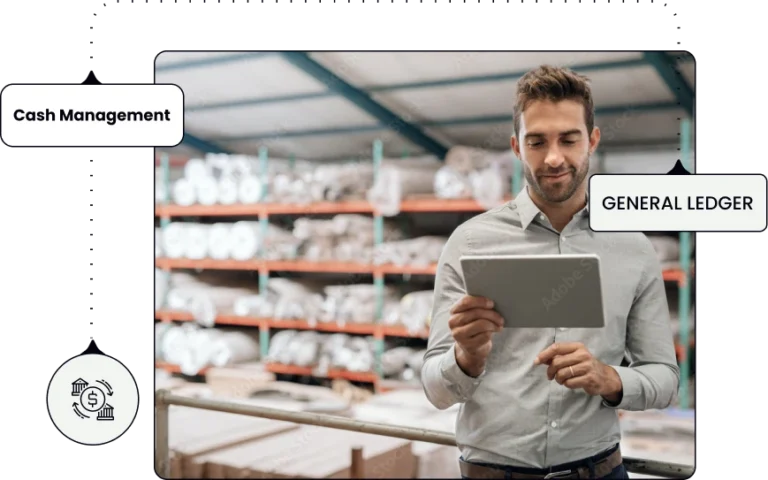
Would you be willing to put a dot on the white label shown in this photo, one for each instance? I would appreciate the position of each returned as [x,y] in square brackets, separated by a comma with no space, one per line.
[142,115]
[678,203]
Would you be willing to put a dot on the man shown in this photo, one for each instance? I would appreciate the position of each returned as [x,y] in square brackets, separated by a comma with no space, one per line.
[538,402]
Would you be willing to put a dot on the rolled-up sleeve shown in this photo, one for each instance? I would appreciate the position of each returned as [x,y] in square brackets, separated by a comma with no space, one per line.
[652,378]
[445,384]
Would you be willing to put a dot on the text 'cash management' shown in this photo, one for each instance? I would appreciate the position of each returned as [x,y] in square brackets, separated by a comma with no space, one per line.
[108,117]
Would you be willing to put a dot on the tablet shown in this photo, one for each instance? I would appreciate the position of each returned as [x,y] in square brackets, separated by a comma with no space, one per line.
[539,291]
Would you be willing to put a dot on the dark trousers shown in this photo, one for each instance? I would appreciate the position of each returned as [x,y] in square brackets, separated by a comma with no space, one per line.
[619,472]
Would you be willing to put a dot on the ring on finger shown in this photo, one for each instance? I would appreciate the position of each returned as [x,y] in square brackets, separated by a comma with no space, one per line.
[572,374]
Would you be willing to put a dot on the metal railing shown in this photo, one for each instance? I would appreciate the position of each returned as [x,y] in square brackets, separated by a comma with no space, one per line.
[163,399]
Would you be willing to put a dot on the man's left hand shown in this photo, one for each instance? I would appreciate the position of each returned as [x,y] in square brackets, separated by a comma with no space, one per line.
[573,366]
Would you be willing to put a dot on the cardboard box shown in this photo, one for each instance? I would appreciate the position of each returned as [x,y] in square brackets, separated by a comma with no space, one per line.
[238,381]
[412,409]
[193,432]
[310,452]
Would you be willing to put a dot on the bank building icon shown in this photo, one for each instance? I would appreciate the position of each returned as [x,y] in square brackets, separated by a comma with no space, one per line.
[78,386]
[106,413]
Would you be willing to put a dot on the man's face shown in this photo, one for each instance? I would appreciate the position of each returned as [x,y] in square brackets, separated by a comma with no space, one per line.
[555,147]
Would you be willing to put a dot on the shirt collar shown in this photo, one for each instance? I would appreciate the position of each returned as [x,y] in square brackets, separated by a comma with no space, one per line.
[527,210]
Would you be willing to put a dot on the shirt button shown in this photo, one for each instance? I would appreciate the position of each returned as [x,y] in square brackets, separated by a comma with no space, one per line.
[563,238]
[554,424]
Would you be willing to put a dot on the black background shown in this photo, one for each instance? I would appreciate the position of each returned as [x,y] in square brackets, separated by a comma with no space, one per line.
[113,40]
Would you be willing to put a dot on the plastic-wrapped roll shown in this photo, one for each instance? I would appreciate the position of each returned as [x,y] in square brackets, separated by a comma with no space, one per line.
[205,301]
[196,241]
[220,241]
[250,189]
[179,297]
[242,165]
[218,164]
[303,349]
[207,190]
[416,309]
[160,330]
[199,350]
[184,192]
[449,183]
[227,190]
[245,240]
[234,347]
[489,186]
[248,305]
[466,159]
[175,240]
[174,345]
[386,193]
[161,288]
[394,183]
[197,168]
[158,242]
[394,360]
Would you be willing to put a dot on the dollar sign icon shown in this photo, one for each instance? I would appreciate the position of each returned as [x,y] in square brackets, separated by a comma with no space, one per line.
[92,399]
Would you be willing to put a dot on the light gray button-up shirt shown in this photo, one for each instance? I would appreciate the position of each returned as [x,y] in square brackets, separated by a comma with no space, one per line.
[512,414]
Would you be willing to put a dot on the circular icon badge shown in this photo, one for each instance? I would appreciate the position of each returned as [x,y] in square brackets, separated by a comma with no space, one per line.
[93,398]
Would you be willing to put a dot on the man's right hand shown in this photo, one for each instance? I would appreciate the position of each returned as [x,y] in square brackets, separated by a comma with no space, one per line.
[473,323]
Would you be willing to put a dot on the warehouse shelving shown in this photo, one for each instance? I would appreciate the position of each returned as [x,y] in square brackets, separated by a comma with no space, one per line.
[411,205]
[376,330]
[294,266]
[681,275]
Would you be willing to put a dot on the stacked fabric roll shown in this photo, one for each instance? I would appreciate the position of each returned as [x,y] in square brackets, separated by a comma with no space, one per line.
[322,351]
[205,296]
[158,242]
[161,287]
[356,303]
[225,180]
[284,299]
[401,178]
[340,351]
[402,363]
[418,252]
[193,348]
[345,238]
[204,300]
[229,179]
[413,311]
[475,173]
[238,241]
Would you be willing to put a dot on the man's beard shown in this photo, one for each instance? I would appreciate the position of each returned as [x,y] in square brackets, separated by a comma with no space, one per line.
[560,191]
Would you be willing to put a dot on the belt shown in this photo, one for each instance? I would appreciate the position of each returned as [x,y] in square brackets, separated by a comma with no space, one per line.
[602,468]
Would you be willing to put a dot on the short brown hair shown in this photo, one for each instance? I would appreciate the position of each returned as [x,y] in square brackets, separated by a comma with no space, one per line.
[554,84]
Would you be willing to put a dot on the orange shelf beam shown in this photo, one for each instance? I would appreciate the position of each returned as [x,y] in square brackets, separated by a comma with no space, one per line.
[171,368]
[350,328]
[367,377]
[208,210]
[400,331]
[316,208]
[325,267]
[427,204]
[433,204]
[208,264]
[292,266]
[672,275]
